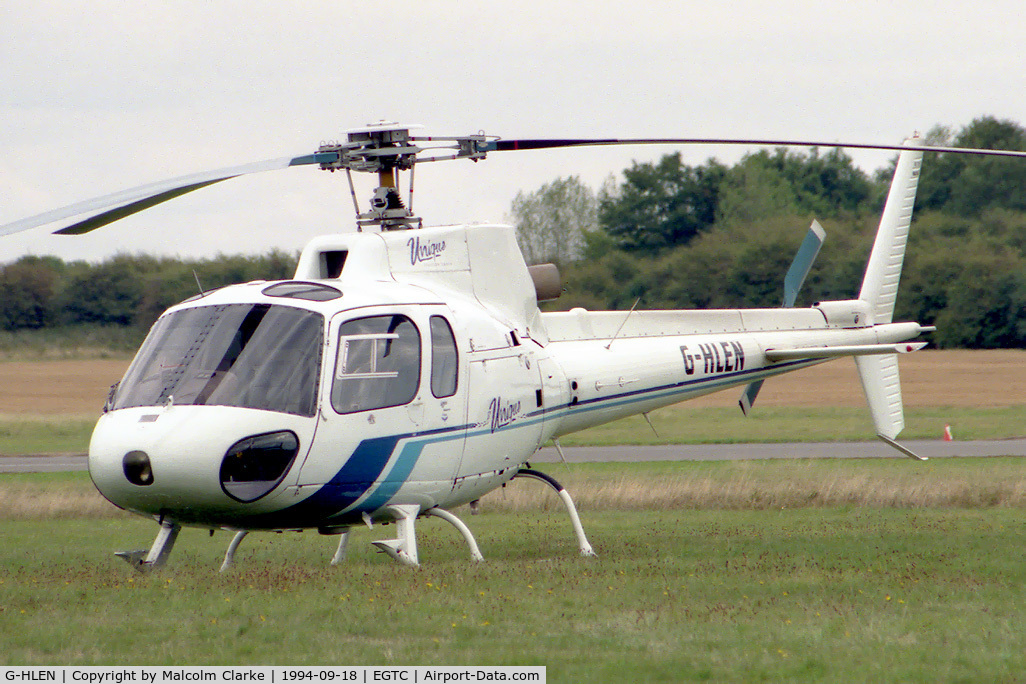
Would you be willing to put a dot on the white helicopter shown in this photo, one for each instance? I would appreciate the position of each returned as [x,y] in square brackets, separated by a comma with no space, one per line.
[406,371]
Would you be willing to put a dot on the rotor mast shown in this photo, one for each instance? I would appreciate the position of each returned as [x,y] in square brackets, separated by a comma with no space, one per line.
[386,149]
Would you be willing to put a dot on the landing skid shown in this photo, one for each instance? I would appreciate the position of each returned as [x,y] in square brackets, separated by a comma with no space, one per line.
[156,557]
[575,520]
[343,546]
[402,548]
[229,556]
[475,553]
[340,552]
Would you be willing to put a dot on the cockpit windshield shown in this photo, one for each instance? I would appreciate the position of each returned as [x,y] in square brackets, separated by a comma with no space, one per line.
[249,355]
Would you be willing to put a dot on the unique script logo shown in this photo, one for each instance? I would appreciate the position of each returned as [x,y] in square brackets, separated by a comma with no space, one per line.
[502,413]
[424,251]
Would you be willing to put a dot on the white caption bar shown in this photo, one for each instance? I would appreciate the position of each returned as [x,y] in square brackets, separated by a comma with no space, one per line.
[362,674]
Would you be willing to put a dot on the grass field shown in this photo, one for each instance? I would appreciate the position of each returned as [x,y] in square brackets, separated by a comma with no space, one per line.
[50,405]
[681,424]
[857,571]
[794,585]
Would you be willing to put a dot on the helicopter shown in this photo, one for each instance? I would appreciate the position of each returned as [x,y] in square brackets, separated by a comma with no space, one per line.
[405,370]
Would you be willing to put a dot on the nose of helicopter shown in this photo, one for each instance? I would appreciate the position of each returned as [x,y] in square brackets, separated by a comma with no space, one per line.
[196,464]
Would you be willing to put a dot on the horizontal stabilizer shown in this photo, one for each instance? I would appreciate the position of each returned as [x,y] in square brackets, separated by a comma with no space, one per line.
[749,395]
[839,351]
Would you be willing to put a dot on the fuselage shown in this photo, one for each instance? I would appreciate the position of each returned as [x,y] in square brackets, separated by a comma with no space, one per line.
[391,373]
[255,409]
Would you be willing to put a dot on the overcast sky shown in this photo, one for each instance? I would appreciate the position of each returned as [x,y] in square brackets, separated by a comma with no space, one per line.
[100,96]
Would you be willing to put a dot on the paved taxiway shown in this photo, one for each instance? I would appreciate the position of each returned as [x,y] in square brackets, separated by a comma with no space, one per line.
[673,452]
[46,463]
[743,452]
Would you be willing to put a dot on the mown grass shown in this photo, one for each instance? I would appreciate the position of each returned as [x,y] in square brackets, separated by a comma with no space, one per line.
[28,434]
[715,589]
[684,424]
[971,483]
[81,342]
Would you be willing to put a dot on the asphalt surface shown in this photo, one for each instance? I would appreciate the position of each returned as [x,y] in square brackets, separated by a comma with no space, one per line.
[44,463]
[793,450]
[677,452]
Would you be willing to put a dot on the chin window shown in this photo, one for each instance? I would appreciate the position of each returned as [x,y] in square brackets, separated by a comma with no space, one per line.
[254,466]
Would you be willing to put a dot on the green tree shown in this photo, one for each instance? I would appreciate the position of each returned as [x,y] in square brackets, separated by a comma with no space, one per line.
[27,291]
[552,222]
[970,185]
[782,182]
[828,185]
[661,205]
[107,293]
[753,190]
[967,276]
[170,281]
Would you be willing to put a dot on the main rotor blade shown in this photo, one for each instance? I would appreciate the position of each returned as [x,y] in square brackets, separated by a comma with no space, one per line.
[542,144]
[103,210]
[110,208]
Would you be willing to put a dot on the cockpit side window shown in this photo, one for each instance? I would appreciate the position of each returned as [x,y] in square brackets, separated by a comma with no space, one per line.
[444,359]
[377,364]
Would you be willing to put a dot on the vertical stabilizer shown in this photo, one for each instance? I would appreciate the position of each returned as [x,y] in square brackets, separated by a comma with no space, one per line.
[880,284]
[879,374]
[882,385]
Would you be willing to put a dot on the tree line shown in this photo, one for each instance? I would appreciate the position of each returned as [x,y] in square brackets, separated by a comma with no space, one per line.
[125,290]
[713,236]
[674,236]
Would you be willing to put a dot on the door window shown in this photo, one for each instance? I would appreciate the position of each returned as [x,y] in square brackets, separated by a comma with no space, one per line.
[444,359]
[377,365]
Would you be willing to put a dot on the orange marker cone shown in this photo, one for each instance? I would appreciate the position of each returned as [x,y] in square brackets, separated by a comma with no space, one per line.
[947,434]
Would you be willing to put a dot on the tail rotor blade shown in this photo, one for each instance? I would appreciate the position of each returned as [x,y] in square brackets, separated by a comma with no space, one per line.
[800,267]
[802,263]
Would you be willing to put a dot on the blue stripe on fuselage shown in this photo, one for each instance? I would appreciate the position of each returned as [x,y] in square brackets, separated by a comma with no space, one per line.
[358,476]
[350,483]
[710,383]
[404,463]
[365,466]
[396,477]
